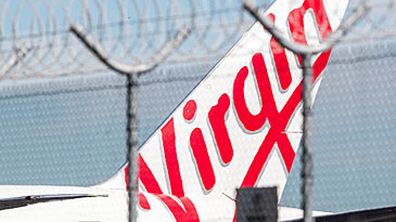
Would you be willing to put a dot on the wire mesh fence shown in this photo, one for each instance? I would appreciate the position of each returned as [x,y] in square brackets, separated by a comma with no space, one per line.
[353,130]
[71,131]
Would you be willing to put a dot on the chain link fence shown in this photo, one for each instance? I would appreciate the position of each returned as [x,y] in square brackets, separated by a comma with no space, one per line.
[352,136]
[70,129]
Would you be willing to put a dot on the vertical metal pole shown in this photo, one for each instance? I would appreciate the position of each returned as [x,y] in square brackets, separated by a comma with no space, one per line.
[131,71]
[306,173]
[132,146]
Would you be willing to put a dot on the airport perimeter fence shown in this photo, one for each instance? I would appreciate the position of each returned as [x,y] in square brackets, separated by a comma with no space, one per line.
[64,104]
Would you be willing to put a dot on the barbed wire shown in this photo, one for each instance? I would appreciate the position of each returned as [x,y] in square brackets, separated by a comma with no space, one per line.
[35,40]
[129,31]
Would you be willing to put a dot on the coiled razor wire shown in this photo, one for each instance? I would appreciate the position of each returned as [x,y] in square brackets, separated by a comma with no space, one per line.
[35,40]
[130,31]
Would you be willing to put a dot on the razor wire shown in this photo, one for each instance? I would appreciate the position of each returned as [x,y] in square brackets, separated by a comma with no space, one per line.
[131,31]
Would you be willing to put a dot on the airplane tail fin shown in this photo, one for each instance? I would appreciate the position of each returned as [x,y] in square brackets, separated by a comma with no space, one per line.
[241,125]
[117,182]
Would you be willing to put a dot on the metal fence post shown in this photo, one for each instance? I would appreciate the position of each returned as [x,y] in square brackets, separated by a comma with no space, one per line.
[132,72]
[306,51]
[306,158]
[132,145]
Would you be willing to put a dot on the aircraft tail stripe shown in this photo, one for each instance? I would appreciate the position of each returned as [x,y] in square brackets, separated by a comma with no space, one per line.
[147,177]
[201,156]
[171,159]
[217,115]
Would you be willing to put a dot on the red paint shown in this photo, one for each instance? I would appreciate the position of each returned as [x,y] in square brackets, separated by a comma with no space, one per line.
[189,110]
[320,64]
[187,213]
[201,156]
[282,67]
[297,26]
[296,20]
[252,122]
[182,208]
[281,64]
[126,176]
[182,214]
[278,122]
[143,203]
[147,178]
[172,162]
[216,118]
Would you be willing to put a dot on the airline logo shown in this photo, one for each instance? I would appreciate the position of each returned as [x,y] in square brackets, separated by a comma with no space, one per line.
[232,130]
